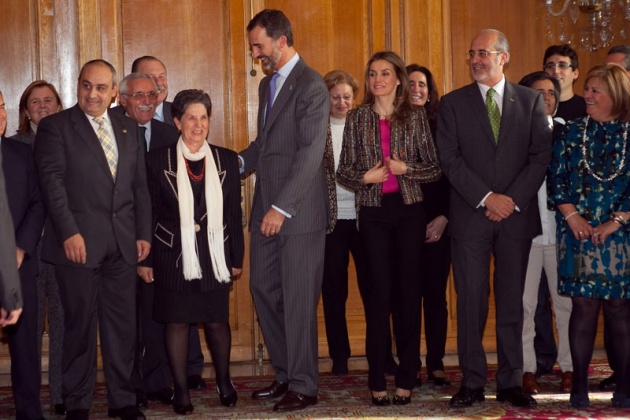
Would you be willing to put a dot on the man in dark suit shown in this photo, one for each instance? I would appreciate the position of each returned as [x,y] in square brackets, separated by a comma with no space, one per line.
[10,290]
[289,210]
[494,143]
[92,174]
[151,376]
[28,214]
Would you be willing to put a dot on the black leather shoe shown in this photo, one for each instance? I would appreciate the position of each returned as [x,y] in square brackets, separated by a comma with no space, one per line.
[183,409]
[129,412]
[439,378]
[141,400]
[78,415]
[196,383]
[294,401]
[466,397]
[60,409]
[516,397]
[381,401]
[275,390]
[608,384]
[229,399]
[165,396]
[401,400]
[579,400]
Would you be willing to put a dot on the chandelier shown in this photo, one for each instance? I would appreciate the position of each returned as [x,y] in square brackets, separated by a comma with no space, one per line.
[592,21]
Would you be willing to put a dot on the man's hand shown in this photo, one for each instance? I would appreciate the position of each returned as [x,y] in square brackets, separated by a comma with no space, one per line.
[146,274]
[74,247]
[9,318]
[20,257]
[272,223]
[499,207]
[143,249]
[236,271]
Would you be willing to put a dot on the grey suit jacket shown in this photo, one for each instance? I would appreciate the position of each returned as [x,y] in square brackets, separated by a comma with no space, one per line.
[80,193]
[10,290]
[288,152]
[475,165]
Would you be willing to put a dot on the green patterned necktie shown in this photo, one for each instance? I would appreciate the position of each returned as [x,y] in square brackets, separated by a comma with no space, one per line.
[493,113]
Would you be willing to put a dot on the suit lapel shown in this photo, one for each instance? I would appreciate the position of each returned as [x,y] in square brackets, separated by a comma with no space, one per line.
[83,127]
[284,94]
[508,112]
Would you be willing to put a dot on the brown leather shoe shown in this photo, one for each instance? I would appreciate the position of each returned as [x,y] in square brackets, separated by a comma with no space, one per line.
[294,401]
[530,384]
[567,381]
[275,390]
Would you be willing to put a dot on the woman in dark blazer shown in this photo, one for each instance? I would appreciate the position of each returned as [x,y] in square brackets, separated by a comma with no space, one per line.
[387,154]
[436,254]
[197,242]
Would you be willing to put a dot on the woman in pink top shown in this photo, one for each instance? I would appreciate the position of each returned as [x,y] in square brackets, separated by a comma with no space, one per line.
[387,153]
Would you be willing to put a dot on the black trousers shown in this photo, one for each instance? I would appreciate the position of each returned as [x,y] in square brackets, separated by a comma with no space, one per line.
[340,243]
[393,236]
[436,263]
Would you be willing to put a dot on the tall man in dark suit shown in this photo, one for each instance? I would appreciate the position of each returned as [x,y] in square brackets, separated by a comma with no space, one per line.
[28,214]
[152,376]
[92,174]
[289,210]
[10,290]
[494,144]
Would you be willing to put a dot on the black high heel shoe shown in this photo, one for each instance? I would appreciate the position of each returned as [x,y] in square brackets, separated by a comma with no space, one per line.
[381,401]
[184,409]
[228,400]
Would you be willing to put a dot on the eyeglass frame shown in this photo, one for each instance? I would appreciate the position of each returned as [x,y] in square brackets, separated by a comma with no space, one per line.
[141,95]
[481,53]
[552,66]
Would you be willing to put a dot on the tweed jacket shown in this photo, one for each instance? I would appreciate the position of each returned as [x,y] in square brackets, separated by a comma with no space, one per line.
[411,141]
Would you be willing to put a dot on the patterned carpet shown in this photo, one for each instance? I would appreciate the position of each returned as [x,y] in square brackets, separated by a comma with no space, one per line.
[348,397]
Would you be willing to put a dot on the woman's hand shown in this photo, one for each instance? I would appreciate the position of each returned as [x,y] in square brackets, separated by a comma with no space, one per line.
[396,166]
[603,231]
[582,230]
[435,229]
[146,274]
[236,271]
[377,174]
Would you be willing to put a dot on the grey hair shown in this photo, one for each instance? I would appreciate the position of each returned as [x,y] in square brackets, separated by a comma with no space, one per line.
[133,76]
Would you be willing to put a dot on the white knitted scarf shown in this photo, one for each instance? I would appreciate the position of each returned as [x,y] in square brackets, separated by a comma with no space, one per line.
[214,216]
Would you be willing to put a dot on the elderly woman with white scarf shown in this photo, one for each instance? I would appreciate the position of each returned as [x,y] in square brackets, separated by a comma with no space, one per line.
[197,242]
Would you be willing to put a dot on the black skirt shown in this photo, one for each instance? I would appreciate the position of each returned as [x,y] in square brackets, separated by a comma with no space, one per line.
[192,307]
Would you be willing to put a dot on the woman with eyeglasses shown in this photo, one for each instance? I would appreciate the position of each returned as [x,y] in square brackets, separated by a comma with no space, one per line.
[589,183]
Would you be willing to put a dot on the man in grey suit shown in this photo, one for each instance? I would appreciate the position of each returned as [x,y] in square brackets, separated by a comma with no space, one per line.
[93,179]
[10,291]
[494,144]
[289,210]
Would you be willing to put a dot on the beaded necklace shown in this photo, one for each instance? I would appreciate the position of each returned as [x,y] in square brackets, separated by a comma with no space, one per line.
[192,176]
[623,155]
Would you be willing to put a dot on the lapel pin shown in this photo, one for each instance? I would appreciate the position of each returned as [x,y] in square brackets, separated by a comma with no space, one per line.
[511,99]
[124,130]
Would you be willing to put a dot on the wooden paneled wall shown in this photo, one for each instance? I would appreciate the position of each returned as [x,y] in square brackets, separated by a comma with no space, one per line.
[203,44]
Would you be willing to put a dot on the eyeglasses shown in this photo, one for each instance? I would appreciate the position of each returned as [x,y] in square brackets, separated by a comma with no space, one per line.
[141,95]
[481,53]
[562,65]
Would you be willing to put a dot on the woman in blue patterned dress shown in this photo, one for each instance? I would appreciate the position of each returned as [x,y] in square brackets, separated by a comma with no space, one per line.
[589,182]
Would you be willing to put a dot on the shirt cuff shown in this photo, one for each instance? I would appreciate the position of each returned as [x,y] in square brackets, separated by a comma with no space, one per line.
[241,167]
[287,215]
[482,203]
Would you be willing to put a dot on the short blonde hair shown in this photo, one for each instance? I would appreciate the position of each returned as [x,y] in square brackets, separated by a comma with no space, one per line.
[617,82]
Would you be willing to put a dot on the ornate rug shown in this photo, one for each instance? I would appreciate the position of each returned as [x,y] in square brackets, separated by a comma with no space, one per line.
[348,397]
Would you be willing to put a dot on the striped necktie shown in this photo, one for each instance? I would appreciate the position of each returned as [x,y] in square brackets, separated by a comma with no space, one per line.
[108,145]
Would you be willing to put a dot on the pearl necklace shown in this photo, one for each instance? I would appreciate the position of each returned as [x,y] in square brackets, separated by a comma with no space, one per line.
[623,155]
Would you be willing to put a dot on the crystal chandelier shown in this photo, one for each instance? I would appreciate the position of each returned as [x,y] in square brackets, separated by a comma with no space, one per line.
[592,21]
